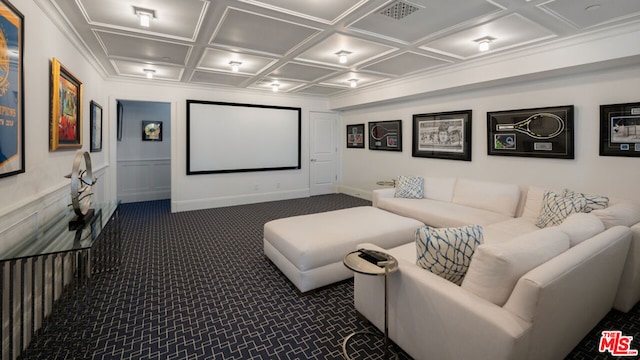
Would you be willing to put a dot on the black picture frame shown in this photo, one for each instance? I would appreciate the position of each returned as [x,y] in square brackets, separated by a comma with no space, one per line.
[151,130]
[545,132]
[95,115]
[355,136]
[616,124]
[385,135]
[12,137]
[443,135]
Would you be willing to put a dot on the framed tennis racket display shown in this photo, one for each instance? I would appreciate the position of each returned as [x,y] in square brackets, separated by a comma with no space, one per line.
[385,135]
[620,130]
[542,132]
[445,135]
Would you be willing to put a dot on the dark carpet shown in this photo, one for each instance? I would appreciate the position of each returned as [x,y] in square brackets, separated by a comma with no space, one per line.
[196,285]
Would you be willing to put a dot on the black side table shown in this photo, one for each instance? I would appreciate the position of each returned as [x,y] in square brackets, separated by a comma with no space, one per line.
[355,262]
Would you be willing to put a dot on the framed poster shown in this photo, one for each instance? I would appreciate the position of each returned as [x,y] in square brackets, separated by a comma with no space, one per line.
[11,91]
[445,135]
[542,132]
[65,127]
[96,126]
[355,136]
[152,131]
[385,135]
[620,130]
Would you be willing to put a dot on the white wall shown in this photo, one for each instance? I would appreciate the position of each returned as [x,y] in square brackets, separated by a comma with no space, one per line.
[589,172]
[215,190]
[144,167]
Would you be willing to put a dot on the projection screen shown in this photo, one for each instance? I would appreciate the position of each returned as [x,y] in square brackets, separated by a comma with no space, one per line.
[230,137]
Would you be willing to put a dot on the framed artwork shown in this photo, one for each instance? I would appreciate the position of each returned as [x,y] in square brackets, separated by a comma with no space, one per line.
[542,132]
[355,136]
[152,130]
[445,135]
[620,130]
[96,126]
[65,127]
[120,114]
[385,135]
[11,91]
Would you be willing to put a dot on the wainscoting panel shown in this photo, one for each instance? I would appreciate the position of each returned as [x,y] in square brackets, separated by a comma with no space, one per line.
[144,180]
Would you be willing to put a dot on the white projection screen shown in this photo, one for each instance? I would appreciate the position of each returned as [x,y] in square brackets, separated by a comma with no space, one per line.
[229,137]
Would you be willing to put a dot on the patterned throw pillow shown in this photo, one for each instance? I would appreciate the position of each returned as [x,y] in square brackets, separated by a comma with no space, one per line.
[447,252]
[594,202]
[556,208]
[409,187]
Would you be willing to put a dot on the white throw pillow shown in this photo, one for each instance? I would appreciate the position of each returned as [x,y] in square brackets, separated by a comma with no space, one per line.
[447,252]
[496,268]
[623,213]
[533,204]
[556,208]
[409,187]
[580,227]
[594,202]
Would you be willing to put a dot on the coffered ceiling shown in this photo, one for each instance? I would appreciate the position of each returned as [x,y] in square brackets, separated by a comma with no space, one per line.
[295,43]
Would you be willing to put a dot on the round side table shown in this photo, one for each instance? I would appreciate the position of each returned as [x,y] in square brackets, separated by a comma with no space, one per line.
[355,262]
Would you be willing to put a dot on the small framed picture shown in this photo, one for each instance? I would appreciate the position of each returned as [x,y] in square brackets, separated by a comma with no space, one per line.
[66,109]
[385,135]
[152,130]
[355,136]
[96,126]
[620,130]
[445,135]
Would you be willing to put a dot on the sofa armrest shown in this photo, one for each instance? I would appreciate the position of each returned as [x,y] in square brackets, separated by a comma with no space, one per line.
[629,289]
[430,317]
[568,295]
[382,193]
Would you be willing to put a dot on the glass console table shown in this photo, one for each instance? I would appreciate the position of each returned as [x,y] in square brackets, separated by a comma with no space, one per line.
[64,251]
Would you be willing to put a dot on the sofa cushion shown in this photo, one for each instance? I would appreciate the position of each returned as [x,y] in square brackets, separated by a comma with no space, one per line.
[447,252]
[409,187]
[496,268]
[594,202]
[581,226]
[439,213]
[623,213]
[556,208]
[439,188]
[496,197]
[507,230]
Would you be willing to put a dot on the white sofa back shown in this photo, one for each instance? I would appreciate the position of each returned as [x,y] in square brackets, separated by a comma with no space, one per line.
[500,198]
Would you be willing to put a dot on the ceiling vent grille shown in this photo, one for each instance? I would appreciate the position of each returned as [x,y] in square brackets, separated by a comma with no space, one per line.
[399,10]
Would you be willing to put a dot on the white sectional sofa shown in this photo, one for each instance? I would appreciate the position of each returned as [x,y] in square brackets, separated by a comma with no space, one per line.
[529,293]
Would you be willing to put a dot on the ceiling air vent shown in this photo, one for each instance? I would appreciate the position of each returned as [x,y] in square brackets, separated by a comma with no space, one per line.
[399,10]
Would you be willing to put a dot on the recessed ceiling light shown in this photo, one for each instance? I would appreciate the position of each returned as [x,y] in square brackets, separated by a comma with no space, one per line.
[484,42]
[145,15]
[149,73]
[353,82]
[275,86]
[342,56]
[235,65]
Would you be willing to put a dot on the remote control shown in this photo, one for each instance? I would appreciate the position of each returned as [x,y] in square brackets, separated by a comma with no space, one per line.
[371,256]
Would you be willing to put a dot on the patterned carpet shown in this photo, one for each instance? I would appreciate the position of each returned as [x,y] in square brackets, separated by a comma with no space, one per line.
[196,285]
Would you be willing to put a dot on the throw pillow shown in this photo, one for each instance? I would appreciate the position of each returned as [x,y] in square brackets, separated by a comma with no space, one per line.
[556,208]
[447,252]
[409,187]
[594,202]
[496,268]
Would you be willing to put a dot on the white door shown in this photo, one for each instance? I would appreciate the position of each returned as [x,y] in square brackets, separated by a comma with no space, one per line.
[323,153]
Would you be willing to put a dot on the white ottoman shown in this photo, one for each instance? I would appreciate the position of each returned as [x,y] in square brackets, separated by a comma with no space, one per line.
[309,249]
